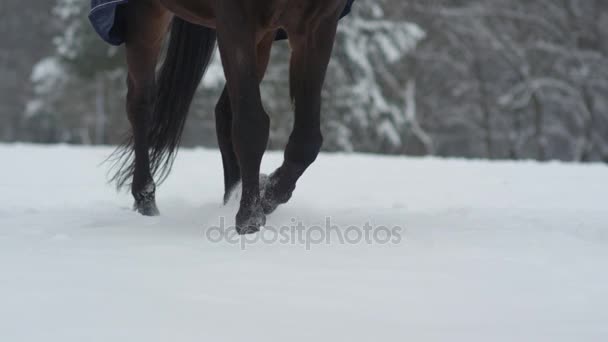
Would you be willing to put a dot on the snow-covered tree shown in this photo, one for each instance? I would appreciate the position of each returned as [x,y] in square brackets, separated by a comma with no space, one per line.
[479,78]
[365,105]
[367,102]
[513,79]
[25,32]
[80,83]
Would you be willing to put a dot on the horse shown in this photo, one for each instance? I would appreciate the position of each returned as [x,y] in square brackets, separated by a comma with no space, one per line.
[158,103]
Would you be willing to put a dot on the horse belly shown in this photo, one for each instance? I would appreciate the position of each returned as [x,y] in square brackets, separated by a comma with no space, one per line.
[198,12]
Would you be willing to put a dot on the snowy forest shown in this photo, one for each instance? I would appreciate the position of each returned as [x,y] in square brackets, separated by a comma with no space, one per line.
[493,79]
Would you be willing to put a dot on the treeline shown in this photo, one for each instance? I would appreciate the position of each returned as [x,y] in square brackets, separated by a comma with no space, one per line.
[513,78]
[500,79]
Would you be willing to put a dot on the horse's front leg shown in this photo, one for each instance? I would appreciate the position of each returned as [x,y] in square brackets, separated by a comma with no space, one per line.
[224,122]
[310,56]
[236,30]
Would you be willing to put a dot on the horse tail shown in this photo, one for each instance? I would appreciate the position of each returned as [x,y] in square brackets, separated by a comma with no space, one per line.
[189,53]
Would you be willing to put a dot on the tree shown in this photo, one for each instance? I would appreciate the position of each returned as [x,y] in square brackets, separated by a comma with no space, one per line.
[25,36]
[480,78]
[79,84]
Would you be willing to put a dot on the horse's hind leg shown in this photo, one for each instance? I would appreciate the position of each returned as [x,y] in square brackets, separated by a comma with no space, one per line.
[147,25]
[311,52]
[223,125]
[223,121]
[236,28]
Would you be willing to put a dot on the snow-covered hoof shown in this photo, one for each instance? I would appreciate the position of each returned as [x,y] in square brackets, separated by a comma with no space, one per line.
[147,208]
[264,181]
[145,201]
[250,221]
[270,206]
[272,197]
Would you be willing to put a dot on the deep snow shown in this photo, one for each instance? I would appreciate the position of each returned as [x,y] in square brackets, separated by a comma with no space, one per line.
[489,252]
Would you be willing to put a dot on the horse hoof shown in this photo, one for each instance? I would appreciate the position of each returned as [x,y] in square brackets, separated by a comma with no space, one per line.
[247,230]
[266,194]
[145,201]
[269,206]
[147,208]
[250,224]
[271,198]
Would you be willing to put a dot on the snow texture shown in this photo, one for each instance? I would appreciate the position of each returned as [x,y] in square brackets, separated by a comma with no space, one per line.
[490,252]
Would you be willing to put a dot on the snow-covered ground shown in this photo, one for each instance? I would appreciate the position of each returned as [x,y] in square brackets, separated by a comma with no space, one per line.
[487,252]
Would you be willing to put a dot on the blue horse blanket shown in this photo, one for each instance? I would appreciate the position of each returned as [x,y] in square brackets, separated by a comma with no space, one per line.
[109,20]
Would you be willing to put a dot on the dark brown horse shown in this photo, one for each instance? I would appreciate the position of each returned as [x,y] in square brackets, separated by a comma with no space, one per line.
[245,30]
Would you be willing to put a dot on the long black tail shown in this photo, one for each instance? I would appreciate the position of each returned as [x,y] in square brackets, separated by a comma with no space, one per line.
[189,53]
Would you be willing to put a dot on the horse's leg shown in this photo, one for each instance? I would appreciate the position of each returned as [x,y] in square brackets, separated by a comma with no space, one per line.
[223,121]
[147,24]
[236,28]
[223,125]
[311,52]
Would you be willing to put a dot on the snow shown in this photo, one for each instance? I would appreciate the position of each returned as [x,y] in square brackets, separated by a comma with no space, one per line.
[214,77]
[46,74]
[490,251]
